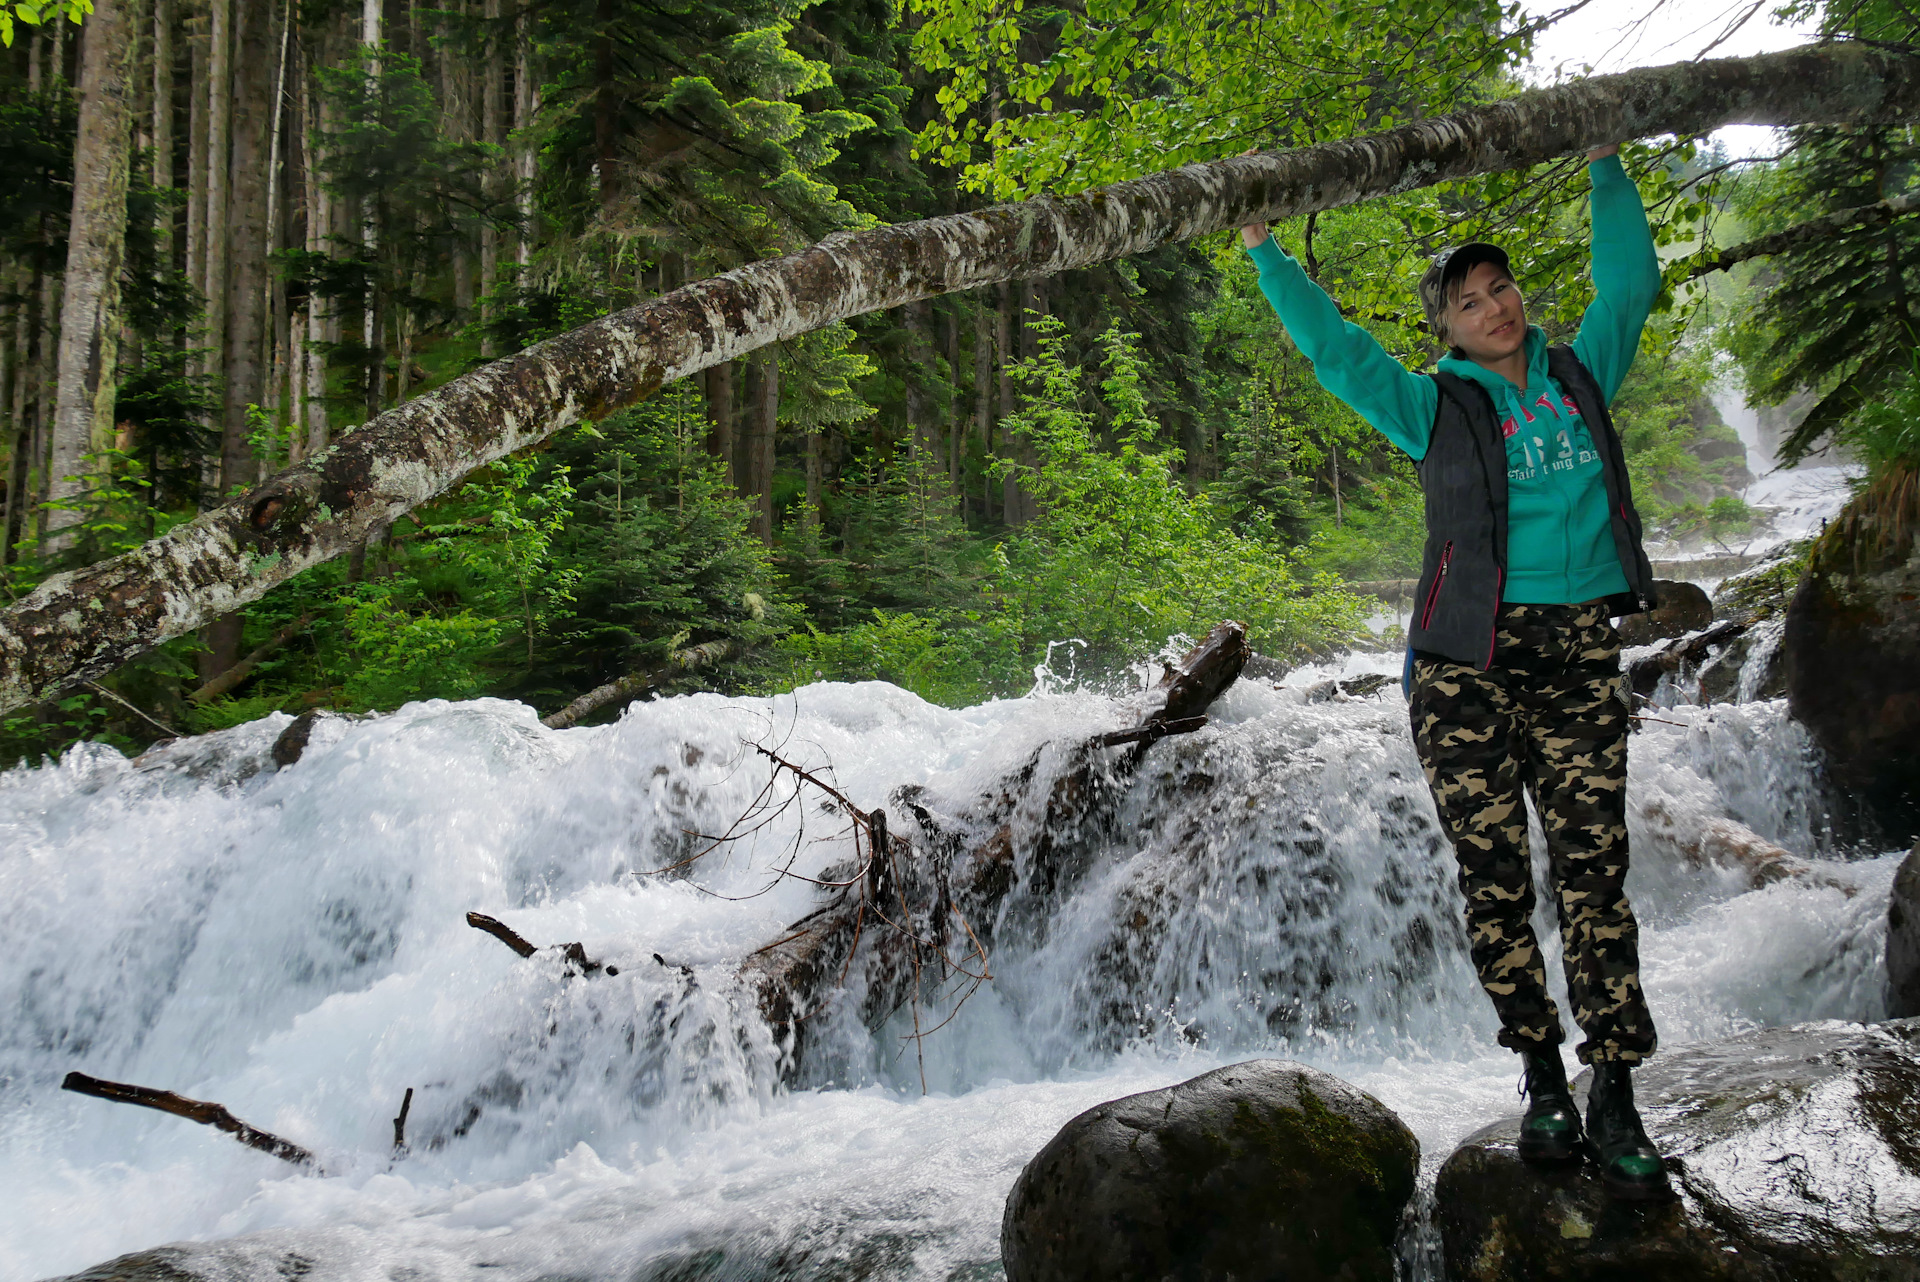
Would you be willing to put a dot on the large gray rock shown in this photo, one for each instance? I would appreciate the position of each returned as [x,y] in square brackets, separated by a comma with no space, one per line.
[1903,938]
[1795,1155]
[1852,651]
[1684,608]
[1263,1170]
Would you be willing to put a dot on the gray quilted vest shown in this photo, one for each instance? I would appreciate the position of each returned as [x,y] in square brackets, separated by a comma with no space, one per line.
[1464,476]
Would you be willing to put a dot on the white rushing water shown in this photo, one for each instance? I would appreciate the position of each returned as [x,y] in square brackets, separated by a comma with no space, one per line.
[291,944]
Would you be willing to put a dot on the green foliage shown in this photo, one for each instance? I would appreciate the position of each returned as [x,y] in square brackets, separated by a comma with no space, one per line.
[1884,434]
[1121,556]
[657,548]
[35,12]
[1836,315]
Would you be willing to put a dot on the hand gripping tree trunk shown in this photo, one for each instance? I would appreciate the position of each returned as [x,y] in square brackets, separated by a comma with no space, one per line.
[97,240]
[80,625]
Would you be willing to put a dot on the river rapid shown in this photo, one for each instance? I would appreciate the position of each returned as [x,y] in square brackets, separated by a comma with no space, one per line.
[291,943]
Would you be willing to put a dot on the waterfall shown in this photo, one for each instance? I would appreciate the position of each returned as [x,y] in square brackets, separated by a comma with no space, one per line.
[291,943]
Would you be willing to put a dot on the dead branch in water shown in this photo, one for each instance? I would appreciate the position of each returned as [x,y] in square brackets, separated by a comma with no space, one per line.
[575,954]
[400,1125]
[214,1115]
[924,897]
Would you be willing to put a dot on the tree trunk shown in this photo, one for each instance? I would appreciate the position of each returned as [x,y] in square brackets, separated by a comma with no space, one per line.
[526,105]
[244,335]
[1003,355]
[320,239]
[19,435]
[456,126]
[163,119]
[956,416]
[96,244]
[198,76]
[757,447]
[719,387]
[213,284]
[20,493]
[493,133]
[82,625]
[983,398]
[373,320]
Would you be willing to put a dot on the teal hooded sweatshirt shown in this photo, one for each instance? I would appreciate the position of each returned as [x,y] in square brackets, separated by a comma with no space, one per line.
[1560,547]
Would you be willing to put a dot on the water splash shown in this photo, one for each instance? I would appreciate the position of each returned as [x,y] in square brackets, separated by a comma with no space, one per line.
[290,942]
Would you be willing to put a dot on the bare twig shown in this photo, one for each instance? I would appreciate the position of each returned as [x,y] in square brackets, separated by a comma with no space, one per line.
[214,1115]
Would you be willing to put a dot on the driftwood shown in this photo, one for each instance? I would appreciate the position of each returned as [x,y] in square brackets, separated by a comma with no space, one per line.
[628,687]
[80,625]
[1727,843]
[1643,674]
[244,668]
[968,865]
[214,1115]
[574,953]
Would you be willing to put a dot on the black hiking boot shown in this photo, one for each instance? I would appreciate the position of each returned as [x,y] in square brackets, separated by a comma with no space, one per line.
[1630,1166]
[1550,1132]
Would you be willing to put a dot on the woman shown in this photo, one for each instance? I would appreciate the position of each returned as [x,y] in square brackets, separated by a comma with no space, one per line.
[1515,683]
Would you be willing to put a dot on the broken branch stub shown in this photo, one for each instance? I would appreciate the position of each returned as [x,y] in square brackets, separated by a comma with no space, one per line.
[575,953]
[207,1114]
[83,624]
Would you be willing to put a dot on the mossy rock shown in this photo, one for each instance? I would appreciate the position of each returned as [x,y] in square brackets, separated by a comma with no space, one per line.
[1795,1156]
[1267,1169]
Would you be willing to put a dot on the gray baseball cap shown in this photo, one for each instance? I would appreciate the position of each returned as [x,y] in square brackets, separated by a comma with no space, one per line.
[1448,266]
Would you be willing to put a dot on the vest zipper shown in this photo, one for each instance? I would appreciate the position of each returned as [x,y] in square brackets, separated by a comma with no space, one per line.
[1439,580]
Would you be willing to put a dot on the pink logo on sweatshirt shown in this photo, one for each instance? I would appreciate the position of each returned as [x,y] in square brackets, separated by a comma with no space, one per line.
[1571,408]
[1508,427]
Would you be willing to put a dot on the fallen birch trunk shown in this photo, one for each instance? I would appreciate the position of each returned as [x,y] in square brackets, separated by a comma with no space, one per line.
[82,624]
[972,862]
[638,683]
[1727,843]
[214,1115]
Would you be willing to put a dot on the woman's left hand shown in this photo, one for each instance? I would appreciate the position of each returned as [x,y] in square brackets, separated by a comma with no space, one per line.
[1601,153]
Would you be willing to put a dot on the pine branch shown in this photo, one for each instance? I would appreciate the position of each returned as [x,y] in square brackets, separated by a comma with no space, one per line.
[1814,230]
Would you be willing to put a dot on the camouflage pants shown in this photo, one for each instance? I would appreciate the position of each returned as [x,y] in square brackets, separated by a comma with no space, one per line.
[1547,719]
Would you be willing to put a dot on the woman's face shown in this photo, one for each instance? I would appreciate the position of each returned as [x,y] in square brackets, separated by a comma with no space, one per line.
[1487,320]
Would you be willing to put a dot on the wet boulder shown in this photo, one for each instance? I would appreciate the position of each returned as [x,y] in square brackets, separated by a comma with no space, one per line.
[1795,1155]
[1267,1169]
[1852,654]
[1903,939]
[1684,608]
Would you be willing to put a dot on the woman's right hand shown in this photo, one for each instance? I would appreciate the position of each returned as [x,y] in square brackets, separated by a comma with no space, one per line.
[1253,234]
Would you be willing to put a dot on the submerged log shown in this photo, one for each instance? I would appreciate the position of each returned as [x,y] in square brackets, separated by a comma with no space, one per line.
[214,1115]
[1645,673]
[79,625]
[970,862]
